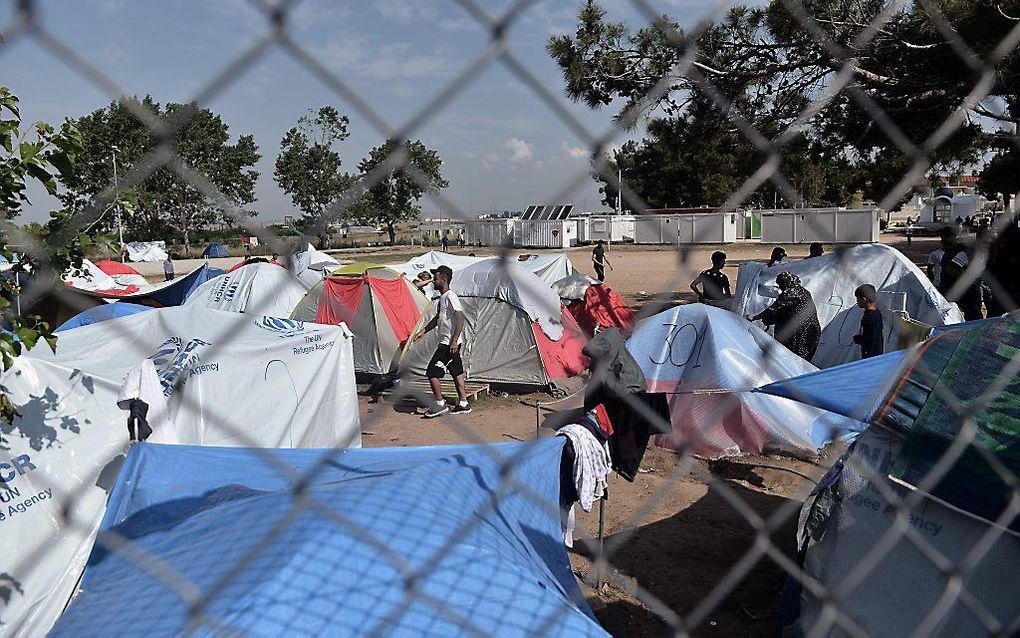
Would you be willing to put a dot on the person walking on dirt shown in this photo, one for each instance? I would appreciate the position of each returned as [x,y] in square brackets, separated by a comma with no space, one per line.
[450,321]
[600,261]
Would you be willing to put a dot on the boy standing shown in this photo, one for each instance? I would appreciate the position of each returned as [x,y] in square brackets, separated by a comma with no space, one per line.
[715,285]
[450,321]
[599,261]
[870,338]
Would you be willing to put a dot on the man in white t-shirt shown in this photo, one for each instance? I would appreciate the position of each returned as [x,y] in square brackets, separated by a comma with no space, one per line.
[450,321]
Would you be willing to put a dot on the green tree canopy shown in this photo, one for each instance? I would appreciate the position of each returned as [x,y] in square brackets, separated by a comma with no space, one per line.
[395,195]
[764,66]
[163,199]
[309,167]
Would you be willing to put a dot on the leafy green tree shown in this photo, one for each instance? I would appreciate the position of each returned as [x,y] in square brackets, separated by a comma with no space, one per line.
[767,67]
[1001,176]
[163,199]
[394,197]
[46,155]
[309,167]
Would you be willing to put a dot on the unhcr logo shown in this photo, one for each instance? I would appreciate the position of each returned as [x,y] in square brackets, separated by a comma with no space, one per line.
[283,328]
[173,357]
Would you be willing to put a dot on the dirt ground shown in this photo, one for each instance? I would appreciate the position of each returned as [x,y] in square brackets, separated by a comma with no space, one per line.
[675,532]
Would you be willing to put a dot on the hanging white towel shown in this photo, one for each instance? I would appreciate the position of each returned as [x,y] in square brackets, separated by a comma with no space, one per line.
[142,383]
[591,464]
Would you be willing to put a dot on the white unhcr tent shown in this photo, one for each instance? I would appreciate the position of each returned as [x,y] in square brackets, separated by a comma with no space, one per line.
[311,265]
[708,360]
[229,379]
[832,279]
[260,288]
[548,268]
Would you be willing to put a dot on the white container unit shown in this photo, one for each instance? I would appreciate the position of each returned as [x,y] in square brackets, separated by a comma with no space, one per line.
[546,233]
[706,228]
[608,228]
[826,225]
[488,232]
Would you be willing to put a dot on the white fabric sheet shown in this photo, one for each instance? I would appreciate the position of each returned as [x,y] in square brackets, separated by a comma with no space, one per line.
[146,251]
[142,384]
[514,285]
[550,268]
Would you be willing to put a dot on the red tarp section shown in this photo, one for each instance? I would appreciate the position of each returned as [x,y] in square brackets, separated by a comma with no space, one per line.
[603,307]
[111,267]
[340,299]
[397,303]
[562,359]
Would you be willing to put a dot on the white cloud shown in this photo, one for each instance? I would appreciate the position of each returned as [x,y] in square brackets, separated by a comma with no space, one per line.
[520,151]
[395,61]
[575,152]
[489,160]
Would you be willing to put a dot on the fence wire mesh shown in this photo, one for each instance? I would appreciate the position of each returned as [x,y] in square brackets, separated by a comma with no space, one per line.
[968,565]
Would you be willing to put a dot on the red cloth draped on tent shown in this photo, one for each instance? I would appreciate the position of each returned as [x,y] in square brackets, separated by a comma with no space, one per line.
[397,303]
[563,358]
[111,267]
[340,299]
[603,307]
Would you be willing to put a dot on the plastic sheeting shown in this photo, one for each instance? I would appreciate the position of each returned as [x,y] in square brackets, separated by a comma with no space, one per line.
[602,308]
[147,251]
[123,274]
[264,289]
[709,360]
[91,278]
[230,380]
[548,268]
[309,265]
[900,592]
[900,285]
[484,569]
[510,283]
[854,389]
[573,286]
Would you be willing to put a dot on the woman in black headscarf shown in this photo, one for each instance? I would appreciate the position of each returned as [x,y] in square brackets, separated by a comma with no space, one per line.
[794,315]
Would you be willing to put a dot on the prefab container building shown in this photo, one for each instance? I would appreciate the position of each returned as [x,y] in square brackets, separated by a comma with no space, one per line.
[695,228]
[826,225]
[488,232]
[546,227]
[607,228]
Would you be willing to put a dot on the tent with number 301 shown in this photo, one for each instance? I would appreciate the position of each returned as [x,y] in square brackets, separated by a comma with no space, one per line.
[708,360]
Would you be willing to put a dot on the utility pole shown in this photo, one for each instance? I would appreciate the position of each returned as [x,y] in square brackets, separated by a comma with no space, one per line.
[619,190]
[116,194]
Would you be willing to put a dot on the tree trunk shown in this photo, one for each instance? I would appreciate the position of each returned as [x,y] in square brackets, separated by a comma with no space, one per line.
[1005,203]
[393,233]
[187,241]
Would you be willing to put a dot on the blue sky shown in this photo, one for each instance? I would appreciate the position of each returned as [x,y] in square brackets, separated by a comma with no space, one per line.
[502,147]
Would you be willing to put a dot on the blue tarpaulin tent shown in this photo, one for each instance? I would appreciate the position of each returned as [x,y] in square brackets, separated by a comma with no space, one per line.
[853,389]
[102,313]
[176,293]
[215,250]
[481,544]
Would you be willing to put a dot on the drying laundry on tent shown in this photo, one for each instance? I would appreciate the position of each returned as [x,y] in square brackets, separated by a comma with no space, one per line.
[912,399]
[263,289]
[831,279]
[495,561]
[214,250]
[708,360]
[516,331]
[147,251]
[548,268]
[594,305]
[228,379]
[379,305]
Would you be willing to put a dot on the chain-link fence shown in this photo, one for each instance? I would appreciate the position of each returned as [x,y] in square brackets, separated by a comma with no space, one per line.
[912,532]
